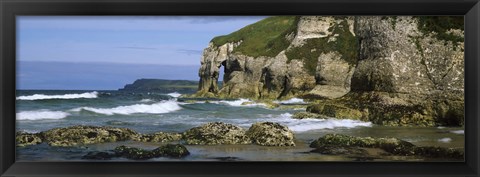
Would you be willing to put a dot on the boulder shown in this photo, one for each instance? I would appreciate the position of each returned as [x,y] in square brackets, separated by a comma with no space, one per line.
[168,150]
[394,146]
[161,137]
[171,150]
[216,133]
[270,134]
[133,153]
[25,139]
[82,135]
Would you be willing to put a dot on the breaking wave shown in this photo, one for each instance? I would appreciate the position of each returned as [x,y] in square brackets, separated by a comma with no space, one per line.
[174,94]
[291,101]
[302,125]
[41,114]
[66,96]
[157,108]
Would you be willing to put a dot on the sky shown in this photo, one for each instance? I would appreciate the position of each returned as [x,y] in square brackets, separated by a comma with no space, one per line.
[107,52]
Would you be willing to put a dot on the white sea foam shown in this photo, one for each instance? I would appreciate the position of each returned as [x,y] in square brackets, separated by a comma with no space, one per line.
[291,101]
[146,100]
[66,96]
[458,131]
[445,140]
[240,102]
[156,108]
[174,94]
[302,125]
[41,114]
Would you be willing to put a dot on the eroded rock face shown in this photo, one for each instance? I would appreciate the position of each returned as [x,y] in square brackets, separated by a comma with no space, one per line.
[408,71]
[396,56]
[216,133]
[25,139]
[273,77]
[81,135]
[271,134]
[351,145]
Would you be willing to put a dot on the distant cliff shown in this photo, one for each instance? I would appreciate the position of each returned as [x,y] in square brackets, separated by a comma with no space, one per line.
[404,70]
[160,85]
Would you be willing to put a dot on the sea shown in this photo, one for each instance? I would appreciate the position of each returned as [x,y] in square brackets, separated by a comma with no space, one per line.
[149,112]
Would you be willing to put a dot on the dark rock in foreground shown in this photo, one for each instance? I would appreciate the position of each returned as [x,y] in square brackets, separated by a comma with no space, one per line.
[216,133]
[394,146]
[169,150]
[270,134]
[133,153]
[25,139]
[81,135]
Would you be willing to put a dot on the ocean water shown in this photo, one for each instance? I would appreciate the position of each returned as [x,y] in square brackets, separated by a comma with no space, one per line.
[148,112]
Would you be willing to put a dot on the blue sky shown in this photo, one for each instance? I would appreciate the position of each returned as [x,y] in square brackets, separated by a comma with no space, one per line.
[47,45]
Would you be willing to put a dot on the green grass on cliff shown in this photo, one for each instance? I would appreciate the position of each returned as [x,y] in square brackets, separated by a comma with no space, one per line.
[264,38]
[440,25]
[346,44]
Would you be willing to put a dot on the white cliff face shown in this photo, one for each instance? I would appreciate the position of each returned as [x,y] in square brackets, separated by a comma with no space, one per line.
[211,61]
[312,27]
[333,76]
[393,56]
[400,58]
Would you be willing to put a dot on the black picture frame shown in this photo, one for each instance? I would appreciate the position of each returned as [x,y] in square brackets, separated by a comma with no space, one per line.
[11,8]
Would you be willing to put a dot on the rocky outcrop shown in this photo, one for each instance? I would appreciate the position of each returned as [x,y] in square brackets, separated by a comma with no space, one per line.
[169,150]
[216,133]
[405,70]
[270,134]
[282,74]
[161,137]
[25,139]
[349,145]
[82,135]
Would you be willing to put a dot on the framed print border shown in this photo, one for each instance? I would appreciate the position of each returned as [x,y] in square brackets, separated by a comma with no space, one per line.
[12,8]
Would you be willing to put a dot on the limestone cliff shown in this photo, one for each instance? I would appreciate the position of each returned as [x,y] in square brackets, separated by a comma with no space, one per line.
[299,56]
[388,70]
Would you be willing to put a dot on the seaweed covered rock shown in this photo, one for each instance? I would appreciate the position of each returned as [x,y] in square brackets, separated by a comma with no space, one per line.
[171,150]
[161,137]
[168,150]
[133,153]
[395,109]
[270,134]
[306,115]
[25,139]
[393,146]
[216,133]
[81,135]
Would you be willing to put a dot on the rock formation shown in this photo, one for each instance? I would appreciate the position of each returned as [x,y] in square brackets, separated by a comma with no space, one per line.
[216,133]
[25,139]
[82,135]
[402,70]
[336,144]
[270,134]
[168,150]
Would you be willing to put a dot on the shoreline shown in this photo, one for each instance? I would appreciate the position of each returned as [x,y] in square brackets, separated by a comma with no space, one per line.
[229,152]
